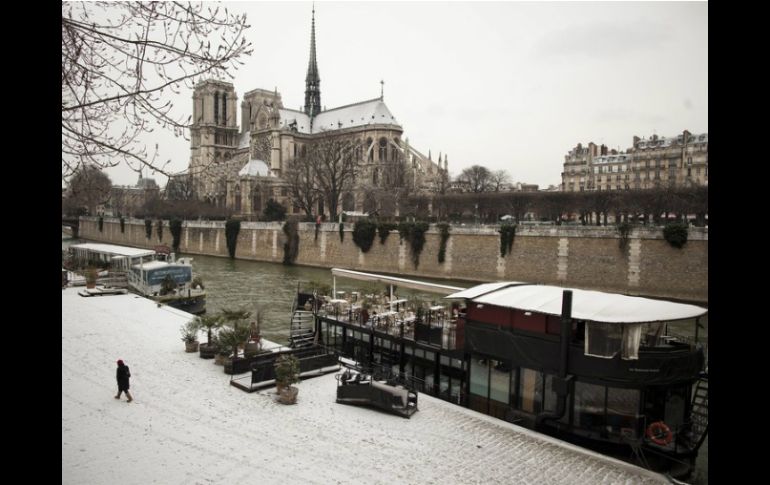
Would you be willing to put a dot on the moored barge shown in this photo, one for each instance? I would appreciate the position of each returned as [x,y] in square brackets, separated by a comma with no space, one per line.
[620,374]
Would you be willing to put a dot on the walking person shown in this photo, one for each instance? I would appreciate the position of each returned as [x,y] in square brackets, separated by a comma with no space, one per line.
[123,374]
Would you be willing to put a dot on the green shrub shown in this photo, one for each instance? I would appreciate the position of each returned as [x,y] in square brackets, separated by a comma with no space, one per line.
[443,229]
[676,234]
[148,228]
[160,229]
[384,228]
[101,223]
[274,211]
[176,233]
[624,229]
[363,234]
[286,370]
[414,233]
[291,246]
[122,225]
[232,228]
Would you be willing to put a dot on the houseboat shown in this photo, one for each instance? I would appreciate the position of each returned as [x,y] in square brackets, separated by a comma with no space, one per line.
[619,374]
[155,273]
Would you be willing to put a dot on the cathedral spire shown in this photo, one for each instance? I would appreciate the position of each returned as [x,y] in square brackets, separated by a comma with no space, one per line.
[312,80]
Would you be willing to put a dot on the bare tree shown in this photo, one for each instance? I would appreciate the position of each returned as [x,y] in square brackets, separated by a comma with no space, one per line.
[299,174]
[120,63]
[397,185]
[335,167]
[477,178]
[180,187]
[498,179]
[89,187]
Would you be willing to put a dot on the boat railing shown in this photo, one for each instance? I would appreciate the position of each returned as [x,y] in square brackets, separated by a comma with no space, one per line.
[439,332]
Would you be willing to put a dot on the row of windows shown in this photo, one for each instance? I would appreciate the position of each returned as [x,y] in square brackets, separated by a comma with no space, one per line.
[495,388]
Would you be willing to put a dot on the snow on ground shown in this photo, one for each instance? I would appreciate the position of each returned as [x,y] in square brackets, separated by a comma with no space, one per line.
[187,425]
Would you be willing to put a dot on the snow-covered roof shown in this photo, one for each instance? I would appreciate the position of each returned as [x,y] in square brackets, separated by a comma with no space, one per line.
[481,289]
[151,265]
[595,306]
[255,168]
[114,250]
[373,111]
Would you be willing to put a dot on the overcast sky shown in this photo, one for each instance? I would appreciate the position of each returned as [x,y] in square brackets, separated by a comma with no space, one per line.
[507,85]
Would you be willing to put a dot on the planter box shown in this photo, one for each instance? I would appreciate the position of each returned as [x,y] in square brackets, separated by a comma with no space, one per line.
[288,395]
[191,346]
[207,351]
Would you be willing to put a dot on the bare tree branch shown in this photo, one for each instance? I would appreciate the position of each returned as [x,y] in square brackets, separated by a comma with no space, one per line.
[121,61]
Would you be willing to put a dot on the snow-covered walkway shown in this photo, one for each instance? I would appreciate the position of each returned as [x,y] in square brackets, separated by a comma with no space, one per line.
[187,425]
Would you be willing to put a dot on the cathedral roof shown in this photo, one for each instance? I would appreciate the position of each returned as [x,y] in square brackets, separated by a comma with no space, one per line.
[373,111]
[255,168]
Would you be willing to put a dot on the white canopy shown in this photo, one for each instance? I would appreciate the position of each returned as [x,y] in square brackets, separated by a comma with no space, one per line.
[392,280]
[478,290]
[595,306]
[113,250]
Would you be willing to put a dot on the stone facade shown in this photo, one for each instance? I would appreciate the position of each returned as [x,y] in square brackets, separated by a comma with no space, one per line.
[579,257]
[679,161]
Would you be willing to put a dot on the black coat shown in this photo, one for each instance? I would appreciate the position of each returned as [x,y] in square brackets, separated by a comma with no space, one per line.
[123,374]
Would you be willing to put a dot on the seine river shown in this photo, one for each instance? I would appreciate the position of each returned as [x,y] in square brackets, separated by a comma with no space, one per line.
[271,288]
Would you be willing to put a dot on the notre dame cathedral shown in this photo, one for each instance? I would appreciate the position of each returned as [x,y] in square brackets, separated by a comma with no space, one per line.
[241,168]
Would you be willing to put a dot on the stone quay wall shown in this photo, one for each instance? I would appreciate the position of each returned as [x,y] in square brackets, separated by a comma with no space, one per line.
[587,257]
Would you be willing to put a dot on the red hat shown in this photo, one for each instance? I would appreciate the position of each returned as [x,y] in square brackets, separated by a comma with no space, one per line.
[120,362]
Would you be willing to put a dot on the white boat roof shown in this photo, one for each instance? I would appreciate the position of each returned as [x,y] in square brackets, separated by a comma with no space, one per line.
[595,306]
[481,289]
[392,280]
[151,265]
[114,250]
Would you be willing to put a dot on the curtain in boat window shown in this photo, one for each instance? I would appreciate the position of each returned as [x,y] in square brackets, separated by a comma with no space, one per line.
[632,335]
[603,339]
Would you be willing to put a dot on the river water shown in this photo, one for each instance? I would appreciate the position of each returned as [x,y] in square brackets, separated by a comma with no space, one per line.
[271,288]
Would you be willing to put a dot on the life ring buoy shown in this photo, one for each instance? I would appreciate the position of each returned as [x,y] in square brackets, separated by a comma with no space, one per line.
[659,433]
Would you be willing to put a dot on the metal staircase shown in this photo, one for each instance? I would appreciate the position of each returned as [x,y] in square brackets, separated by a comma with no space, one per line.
[699,416]
[302,333]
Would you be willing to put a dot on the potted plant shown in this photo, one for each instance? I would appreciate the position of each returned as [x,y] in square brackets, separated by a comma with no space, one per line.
[254,342]
[286,374]
[211,323]
[190,335]
[230,339]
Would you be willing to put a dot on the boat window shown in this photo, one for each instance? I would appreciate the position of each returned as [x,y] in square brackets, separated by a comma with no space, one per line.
[479,377]
[623,411]
[675,406]
[589,405]
[530,390]
[549,399]
[652,333]
[603,339]
[499,380]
